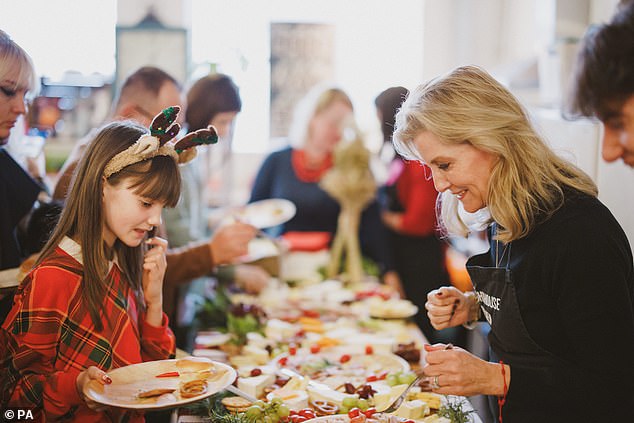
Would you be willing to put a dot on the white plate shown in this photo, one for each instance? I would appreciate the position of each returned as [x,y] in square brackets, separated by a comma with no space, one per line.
[267,213]
[129,381]
[391,309]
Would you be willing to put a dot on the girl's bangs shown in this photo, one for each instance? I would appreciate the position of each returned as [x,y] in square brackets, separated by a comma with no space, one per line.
[157,179]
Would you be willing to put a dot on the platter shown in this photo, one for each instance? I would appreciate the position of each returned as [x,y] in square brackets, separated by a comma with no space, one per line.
[267,213]
[336,366]
[391,308]
[131,383]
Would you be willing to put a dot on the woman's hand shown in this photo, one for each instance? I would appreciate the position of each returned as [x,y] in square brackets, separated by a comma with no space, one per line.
[253,279]
[154,265]
[96,374]
[459,372]
[231,241]
[393,220]
[448,307]
[392,280]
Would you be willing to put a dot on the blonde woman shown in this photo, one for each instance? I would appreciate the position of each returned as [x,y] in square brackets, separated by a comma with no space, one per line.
[556,286]
[18,191]
[294,173]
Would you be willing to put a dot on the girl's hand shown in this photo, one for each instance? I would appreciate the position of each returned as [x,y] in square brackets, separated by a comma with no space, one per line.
[461,373]
[447,307]
[154,265]
[96,374]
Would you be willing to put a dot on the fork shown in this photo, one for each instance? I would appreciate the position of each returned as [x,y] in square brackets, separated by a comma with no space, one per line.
[399,400]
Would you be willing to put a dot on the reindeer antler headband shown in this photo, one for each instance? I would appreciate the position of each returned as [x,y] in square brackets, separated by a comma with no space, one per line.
[156,143]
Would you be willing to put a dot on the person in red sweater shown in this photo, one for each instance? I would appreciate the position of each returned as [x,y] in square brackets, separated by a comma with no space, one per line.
[93,301]
[409,212]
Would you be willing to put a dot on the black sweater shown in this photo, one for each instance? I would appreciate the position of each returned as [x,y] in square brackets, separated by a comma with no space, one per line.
[574,280]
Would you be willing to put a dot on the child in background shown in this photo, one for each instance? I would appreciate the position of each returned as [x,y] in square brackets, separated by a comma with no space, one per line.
[93,301]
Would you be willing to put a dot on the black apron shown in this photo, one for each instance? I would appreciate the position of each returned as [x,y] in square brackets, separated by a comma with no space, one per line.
[508,339]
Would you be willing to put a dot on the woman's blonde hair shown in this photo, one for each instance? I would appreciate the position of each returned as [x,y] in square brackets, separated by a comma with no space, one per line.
[83,219]
[527,182]
[14,61]
[316,101]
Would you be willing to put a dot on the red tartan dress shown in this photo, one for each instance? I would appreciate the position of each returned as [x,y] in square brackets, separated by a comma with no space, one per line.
[48,338]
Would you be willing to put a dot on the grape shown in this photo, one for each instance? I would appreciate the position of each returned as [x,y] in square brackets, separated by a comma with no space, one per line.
[276,401]
[260,404]
[254,412]
[343,409]
[283,411]
[363,404]
[406,378]
[392,380]
[349,402]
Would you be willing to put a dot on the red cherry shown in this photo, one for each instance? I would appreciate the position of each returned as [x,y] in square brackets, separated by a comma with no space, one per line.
[344,358]
[282,361]
[369,350]
[292,350]
[315,349]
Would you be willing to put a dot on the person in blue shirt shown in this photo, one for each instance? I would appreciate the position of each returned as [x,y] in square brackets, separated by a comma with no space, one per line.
[294,172]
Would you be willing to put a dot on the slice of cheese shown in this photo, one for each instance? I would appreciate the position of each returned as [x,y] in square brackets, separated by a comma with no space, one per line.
[255,385]
[330,395]
[411,409]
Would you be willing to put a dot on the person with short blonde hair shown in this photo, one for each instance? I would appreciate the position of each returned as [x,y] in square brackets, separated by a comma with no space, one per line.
[18,190]
[293,173]
[556,286]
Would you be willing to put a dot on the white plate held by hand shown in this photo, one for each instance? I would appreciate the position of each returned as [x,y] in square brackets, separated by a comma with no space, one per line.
[267,213]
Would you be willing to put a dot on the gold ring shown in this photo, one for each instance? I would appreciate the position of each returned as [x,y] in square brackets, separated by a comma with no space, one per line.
[435,384]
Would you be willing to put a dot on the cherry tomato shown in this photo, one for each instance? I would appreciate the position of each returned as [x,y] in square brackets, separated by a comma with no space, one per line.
[370,412]
[344,358]
[298,419]
[354,412]
[311,313]
[308,413]
[369,350]
[315,349]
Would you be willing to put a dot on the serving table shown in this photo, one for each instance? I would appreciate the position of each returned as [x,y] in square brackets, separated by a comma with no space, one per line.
[328,319]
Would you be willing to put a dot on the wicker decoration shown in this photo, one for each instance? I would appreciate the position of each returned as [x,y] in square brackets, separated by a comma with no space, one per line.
[351,183]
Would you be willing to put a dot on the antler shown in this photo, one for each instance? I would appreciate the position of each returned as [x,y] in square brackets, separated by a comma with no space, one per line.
[163,126]
[204,136]
[200,137]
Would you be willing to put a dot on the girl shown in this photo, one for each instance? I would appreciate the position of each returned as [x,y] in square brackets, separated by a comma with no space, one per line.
[94,298]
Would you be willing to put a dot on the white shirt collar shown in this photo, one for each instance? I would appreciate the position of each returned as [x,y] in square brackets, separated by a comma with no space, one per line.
[73,249]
